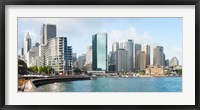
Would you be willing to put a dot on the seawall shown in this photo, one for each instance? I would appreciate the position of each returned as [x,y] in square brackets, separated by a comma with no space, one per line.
[31,85]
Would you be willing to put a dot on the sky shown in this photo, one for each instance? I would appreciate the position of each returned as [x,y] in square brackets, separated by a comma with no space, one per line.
[166,32]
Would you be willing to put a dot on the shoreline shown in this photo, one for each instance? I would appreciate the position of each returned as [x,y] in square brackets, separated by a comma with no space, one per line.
[32,84]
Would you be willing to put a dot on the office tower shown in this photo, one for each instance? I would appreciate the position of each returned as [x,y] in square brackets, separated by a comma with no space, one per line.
[128,46]
[81,61]
[147,55]
[89,55]
[164,59]
[47,31]
[22,51]
[112,61]
[69,60]
[138,47]
[158,56]
[88,62]
[140,59]
[42,55]
[121,60]
[121,45]
[99,51]
[173,62]
[74,58]
[58,55]
[115,46]
[167,62]
[112,57]
[37,44]
[32,57]
[27,45]
[74,61]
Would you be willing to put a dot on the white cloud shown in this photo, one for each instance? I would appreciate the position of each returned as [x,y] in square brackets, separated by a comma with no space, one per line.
[130,33]
[79,32]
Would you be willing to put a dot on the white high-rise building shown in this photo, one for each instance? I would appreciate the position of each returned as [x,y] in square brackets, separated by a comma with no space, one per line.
[27,45]
[89,55]
[128,46]
[58,55]
[147,54]
[115,46]
[33,57]
[173,62]
[42,55]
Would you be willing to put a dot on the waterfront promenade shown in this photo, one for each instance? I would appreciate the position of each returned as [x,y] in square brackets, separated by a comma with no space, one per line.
[32,84]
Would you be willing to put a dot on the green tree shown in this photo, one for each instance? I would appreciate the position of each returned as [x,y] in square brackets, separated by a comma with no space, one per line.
[40,68]
[35,68]
[180,71]
[142,72]
[31,69]
[22,67]
[77,70]
[49,69]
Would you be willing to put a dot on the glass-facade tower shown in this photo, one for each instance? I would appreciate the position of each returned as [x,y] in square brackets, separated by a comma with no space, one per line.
[99,51]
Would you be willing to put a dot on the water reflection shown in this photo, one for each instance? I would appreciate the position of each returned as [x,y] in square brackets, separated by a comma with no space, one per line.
[162,84]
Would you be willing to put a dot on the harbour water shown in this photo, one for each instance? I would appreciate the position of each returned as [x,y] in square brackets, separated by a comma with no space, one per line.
[117,84]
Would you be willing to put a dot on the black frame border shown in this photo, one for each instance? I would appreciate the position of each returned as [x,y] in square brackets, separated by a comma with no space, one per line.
[3,3]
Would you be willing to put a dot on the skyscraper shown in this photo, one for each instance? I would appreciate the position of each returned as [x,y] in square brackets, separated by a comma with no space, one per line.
[115,46]
[99,51]
[128,46]
[58,55]
[74,58]
[112,60]
[42,55]
[112,57]
[88,62]
[74,61]
[164,59]
[158,56]
[147,55]
[138,47]
[27,46]
[27,43]
[69,60]
[33,57]
[89,55]
[121,60]
[81,61]
[140,57]
[173,62]
[22,51]
[47,31]
[167,62]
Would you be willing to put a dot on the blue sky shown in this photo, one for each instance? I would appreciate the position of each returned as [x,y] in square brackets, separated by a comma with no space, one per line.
[166,32]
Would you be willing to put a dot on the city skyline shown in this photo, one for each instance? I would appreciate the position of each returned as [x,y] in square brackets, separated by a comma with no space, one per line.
[142,34]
